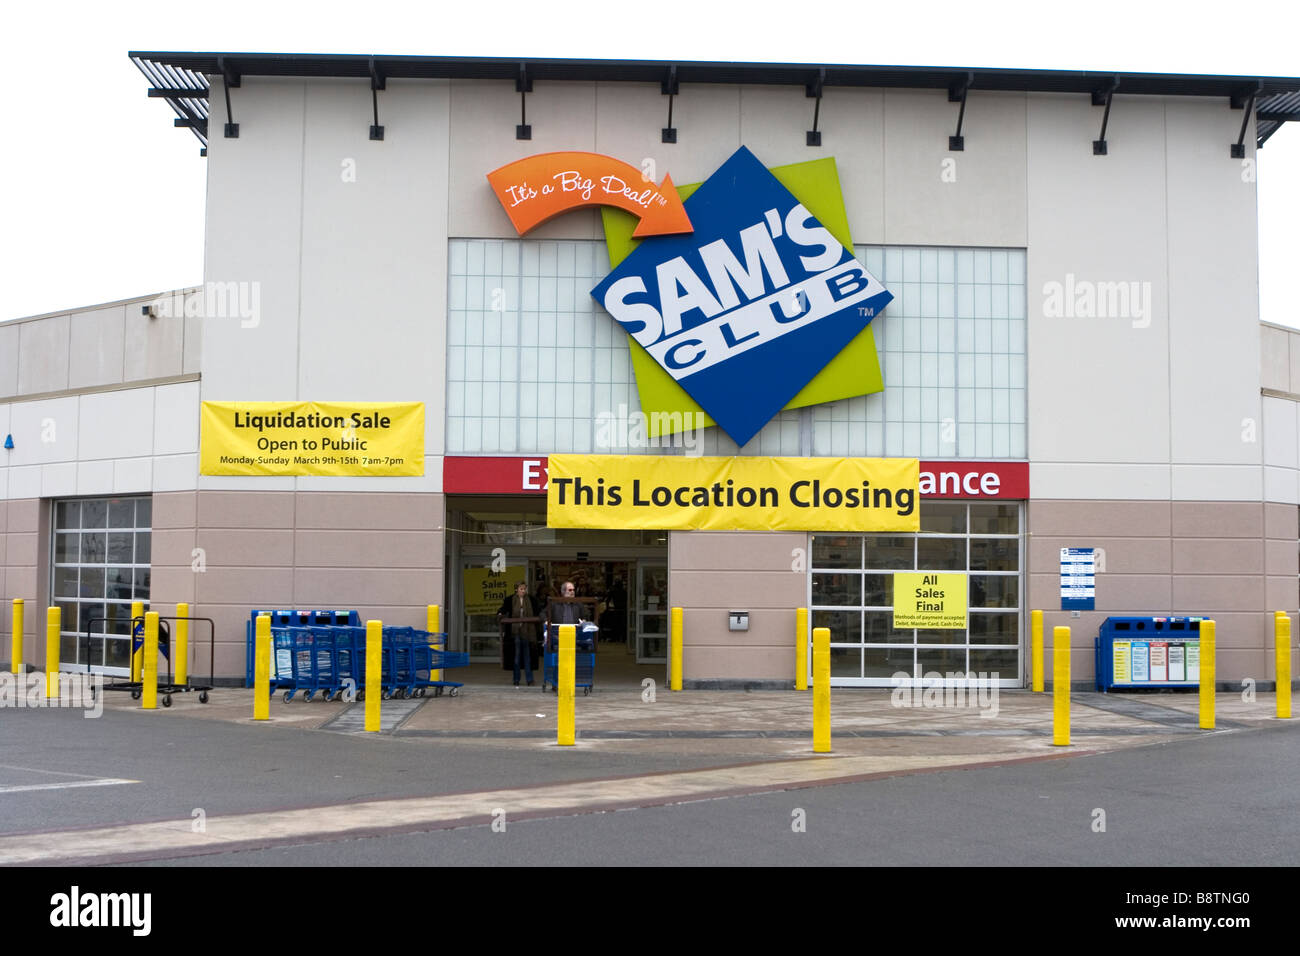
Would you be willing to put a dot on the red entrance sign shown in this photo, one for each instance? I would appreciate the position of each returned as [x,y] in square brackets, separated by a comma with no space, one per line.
[1002,480]
[537,188]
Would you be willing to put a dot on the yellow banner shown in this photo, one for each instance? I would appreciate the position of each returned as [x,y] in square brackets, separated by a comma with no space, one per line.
[373,439]
[485,589]
[725,494]
[929,600]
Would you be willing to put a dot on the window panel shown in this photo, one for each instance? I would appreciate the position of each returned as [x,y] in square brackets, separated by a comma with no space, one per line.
[845,626]
[993,581]
[941,554]
[837,589]
[995,554]
[96,573]
[836,552]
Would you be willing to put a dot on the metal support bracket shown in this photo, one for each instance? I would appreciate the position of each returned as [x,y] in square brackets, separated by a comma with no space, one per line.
[1102,97]
[377,82]
[1238,149]
[668,87]
[813,89]
[957,94]
[523,86]
[229,78]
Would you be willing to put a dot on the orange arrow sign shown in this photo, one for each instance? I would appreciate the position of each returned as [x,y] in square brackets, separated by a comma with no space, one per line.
[537,188]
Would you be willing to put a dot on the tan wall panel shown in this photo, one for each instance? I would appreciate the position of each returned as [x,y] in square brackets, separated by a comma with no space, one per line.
[172,585]
[1281,594]
[21,582]
[1217,519]
[252,587]
[757,663]
[330,587]
[1281,557]
[229,548]
[22,549]
[1282,521]
[703,626]
[245,509]
[1213,593]
[742,590]
[369,549]
[1218,556]
[1123,555]
[172,547]
[24,514]
[175,509]
[366,511]
[737,550]
[1138,519]
[1124,594]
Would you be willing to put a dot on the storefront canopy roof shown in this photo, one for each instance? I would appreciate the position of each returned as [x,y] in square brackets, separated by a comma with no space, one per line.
[183,79]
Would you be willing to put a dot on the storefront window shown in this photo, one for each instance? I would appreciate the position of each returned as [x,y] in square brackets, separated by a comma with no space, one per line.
[851,592]
[535,365]
[952,355]
[101,564]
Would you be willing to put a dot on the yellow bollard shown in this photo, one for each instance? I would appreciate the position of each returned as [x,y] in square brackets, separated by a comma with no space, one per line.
[564,731]
[1282,649]
[149,663]
[675,651]
[53,621]
[181,646]
[1036,645]
[1060,686]
[137,610]
[801,649]
[16,639]
[262,669]
[1207,675]
[431,625]
[374,672]
[821,690]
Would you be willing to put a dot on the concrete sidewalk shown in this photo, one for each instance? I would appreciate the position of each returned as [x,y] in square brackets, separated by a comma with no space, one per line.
[865,721]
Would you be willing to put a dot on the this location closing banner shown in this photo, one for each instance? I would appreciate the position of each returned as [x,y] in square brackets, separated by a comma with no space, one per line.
[376,439]
[733,494]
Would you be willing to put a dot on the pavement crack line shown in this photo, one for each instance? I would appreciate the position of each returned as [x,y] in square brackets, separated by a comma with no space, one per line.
[172,838]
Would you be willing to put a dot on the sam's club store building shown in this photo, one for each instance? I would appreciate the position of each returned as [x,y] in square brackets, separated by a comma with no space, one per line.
[734,338]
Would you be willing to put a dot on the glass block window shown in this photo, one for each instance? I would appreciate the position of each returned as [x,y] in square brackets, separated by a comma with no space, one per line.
[535,366]
[952,355]
[100,564]
[851,592]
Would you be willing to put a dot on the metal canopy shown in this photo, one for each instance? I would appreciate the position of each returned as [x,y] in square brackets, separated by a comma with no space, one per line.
[182,78]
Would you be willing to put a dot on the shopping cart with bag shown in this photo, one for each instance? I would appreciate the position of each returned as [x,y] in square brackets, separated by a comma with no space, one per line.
[584,657]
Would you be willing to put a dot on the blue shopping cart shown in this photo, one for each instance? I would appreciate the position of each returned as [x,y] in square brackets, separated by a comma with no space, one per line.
[584,658]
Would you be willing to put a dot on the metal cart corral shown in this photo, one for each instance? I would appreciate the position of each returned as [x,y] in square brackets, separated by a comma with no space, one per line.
[331,660]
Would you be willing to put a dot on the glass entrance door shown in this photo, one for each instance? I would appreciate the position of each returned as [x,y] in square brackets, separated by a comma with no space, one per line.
[651,612]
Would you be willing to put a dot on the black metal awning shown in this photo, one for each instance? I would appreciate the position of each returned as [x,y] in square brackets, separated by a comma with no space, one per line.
[182,79]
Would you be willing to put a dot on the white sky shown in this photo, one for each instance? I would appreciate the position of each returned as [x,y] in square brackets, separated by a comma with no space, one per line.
[103,199]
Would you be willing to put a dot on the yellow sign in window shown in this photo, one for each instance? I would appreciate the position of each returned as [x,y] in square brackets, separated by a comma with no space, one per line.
[930,600]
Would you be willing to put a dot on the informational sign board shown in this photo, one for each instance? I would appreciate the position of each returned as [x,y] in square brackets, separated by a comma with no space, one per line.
[485,589]
[733,494]
[929,599]
[373,439]
[1078,579]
